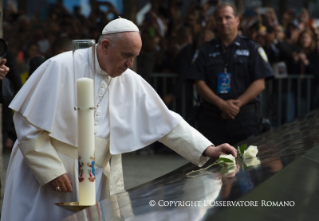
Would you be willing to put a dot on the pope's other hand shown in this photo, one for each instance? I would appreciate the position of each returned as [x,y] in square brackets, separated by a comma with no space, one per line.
[63,182]
[215,152]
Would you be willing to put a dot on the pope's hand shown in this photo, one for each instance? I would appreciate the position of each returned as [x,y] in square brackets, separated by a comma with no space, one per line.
[215,152]
[61,184]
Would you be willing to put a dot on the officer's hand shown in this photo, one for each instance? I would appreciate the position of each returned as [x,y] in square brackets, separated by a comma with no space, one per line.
[61,184]
[229,109]
[215,152]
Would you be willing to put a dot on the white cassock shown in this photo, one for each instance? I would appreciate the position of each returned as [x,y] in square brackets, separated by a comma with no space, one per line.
[129,116]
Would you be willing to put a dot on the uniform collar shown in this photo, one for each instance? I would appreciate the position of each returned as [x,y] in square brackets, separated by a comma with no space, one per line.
[236,42]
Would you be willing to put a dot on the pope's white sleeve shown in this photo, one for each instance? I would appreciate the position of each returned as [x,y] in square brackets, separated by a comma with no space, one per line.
[37,150]
[187,142]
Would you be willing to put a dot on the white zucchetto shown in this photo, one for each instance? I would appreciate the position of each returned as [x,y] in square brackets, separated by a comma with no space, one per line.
[120,25]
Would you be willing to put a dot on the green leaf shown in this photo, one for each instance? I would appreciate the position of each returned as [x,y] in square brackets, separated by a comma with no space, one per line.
[238,149]
[218,161]
[242,149]
[221,159]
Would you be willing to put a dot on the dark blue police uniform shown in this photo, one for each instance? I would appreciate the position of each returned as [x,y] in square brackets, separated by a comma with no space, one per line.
[228,72]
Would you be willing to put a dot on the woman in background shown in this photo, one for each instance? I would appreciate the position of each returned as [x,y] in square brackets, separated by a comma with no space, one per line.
[306,59]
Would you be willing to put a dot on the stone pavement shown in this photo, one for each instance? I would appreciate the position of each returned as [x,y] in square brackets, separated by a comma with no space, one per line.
[137,169]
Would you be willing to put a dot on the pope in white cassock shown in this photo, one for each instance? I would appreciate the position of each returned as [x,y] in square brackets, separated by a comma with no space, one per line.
[129,116]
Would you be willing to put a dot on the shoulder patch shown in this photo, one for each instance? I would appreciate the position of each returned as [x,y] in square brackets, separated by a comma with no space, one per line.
[263,54]
[195,56]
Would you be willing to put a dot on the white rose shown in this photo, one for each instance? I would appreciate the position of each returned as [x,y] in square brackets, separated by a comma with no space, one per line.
[228,170]
[252,162]
[251,152]
[230,157]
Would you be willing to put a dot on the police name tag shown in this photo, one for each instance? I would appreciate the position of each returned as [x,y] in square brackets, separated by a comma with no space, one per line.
[224,80]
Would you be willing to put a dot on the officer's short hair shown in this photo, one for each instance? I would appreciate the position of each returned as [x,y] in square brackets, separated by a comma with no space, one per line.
[223,5]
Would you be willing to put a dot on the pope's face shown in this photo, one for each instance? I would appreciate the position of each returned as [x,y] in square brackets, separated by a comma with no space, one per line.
[120,56]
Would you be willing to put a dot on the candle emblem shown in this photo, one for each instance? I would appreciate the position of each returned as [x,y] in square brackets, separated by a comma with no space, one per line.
[92,170]
[80,168]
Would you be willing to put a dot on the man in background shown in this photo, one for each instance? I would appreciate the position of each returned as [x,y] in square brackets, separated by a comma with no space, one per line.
[229,73]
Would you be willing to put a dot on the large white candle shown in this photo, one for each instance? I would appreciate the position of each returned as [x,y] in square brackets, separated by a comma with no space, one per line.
[85,100]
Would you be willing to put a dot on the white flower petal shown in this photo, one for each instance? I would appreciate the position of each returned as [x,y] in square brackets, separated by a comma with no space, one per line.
[251,151]
[254,162]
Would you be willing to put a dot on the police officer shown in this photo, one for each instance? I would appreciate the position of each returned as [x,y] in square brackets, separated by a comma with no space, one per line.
[229,73]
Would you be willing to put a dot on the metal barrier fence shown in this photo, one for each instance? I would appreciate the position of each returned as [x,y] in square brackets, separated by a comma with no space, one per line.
[162,82]
[286,96]
[285,99]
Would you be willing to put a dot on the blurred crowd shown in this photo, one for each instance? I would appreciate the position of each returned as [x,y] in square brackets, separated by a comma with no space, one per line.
[169,40]
[291,44]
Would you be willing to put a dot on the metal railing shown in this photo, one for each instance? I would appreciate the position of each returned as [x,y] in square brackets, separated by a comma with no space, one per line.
[284,96]
[271,100]
[159,81]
